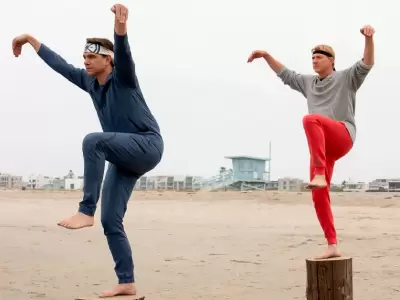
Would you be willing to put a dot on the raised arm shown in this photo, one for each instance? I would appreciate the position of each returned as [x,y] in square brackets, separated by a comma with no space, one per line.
[77,76]
[289,77]
[357,73]
[123,61]
[369,49]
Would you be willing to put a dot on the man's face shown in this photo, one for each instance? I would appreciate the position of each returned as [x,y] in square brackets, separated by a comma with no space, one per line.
[95,63]
[321,63]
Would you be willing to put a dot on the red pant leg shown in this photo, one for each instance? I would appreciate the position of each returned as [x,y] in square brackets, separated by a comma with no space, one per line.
[325,136]
[322,202]
[328,141]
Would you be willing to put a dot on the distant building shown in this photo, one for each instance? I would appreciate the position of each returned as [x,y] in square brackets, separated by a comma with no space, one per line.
[171,182]
[8,181]
[67,183]
[350,186]
[384,185]
[290,184]
[249,168]
[39,181]
[247,173]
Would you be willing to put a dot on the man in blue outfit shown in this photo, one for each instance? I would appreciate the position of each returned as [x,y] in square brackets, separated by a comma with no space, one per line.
[131,141]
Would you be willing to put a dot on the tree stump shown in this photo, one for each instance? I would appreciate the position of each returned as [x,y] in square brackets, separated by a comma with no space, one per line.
[329,279]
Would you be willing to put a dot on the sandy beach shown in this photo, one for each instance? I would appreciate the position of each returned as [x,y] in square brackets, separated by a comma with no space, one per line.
[207,245]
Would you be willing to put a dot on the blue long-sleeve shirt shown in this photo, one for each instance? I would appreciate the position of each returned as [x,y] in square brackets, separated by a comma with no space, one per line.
[119,102]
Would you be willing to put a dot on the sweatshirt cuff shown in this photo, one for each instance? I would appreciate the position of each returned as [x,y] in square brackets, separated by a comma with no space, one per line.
[364,65]
[282,72]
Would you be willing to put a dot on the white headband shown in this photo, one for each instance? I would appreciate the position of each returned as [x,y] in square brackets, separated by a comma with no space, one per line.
[98,49]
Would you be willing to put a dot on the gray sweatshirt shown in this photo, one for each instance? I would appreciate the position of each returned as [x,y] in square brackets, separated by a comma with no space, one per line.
[334,96]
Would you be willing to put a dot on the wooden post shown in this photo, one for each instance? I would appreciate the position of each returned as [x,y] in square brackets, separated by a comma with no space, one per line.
[329,279]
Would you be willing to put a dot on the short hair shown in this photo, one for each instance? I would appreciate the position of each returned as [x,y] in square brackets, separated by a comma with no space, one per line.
[103,42]
[326,48]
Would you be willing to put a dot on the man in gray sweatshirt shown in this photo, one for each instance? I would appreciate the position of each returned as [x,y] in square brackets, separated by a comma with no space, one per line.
[330,125]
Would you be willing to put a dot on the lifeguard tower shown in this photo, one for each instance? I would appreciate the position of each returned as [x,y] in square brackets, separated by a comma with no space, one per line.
[249,172]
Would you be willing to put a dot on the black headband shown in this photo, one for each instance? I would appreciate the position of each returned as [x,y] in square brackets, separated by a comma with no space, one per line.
[323,52]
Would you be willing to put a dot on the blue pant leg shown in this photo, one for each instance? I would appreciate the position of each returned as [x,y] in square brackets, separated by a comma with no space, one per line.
[94,164]
[117,189]
[133,152]
[130,156]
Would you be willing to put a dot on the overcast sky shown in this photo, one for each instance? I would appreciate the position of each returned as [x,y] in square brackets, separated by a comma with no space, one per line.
[191,63]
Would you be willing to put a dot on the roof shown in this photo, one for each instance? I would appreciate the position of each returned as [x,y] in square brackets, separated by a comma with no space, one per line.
[248,157]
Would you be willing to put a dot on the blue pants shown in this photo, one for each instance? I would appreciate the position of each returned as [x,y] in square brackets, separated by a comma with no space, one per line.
[129,156]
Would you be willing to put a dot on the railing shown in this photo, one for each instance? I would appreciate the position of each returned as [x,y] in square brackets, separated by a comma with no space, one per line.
[221,180]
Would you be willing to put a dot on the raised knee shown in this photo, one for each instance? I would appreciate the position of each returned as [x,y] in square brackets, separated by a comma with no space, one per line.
[91,140]
[308,119]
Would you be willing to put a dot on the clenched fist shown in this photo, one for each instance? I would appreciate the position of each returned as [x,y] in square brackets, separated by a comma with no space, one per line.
[367,31]
[121,12]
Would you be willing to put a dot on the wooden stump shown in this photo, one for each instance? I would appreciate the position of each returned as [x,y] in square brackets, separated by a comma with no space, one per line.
[329,279]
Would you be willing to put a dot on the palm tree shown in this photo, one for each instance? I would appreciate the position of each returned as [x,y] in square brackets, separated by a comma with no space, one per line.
[70,174]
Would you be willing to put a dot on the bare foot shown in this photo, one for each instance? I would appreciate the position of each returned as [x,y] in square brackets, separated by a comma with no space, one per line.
[330,252]
[77,221]
[318,182]
[120,289]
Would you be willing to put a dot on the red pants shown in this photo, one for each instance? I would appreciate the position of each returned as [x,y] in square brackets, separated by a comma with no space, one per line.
[328,141]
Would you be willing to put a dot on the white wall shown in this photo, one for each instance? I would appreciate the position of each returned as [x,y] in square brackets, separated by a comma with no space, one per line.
[39,180]
[76,182]
[355,187]
[289,184]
